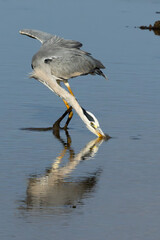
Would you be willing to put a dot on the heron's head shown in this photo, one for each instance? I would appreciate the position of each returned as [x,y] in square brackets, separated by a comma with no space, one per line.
[93,124]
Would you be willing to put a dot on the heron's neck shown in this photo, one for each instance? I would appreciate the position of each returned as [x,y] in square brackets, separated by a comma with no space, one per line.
[52,84]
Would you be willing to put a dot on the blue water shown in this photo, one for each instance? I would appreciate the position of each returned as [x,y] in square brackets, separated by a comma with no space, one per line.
[59,188]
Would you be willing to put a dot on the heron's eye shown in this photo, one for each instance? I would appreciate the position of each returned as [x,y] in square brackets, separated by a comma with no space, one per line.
[93,125]
[47,60]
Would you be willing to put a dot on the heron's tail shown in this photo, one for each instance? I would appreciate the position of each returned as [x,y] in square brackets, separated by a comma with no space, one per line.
[99,72]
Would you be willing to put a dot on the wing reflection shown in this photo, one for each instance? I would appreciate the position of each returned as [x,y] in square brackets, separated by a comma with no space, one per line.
[57,187]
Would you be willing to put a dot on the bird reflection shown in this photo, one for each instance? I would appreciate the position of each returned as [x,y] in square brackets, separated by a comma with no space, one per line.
[57,188]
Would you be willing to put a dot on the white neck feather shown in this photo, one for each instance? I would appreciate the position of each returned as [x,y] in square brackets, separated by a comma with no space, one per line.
[51,83]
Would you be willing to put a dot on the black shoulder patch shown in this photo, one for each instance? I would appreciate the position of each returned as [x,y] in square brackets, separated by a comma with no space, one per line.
[90,118]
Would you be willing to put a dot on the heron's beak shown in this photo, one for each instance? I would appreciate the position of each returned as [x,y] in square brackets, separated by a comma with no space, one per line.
[100,133]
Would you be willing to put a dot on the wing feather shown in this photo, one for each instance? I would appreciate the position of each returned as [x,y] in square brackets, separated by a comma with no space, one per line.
[65,57]
[39,35]
[72,64]
[49,39]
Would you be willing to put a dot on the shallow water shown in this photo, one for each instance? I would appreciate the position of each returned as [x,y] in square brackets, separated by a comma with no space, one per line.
[73,186]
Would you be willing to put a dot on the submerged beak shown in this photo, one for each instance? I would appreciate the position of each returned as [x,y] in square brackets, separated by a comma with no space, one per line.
[100,133]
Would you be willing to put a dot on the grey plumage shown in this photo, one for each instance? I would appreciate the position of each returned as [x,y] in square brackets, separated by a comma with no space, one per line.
[58,60]
[64,57]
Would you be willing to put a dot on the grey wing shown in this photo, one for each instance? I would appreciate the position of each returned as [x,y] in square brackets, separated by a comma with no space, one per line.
[72,64]
[39,35]
[56,41]
[49,40]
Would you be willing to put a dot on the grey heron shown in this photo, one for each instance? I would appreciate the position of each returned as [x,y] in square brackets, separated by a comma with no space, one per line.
[59,60]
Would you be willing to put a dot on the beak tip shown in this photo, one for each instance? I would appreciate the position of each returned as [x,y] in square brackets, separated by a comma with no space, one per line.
[107,137]
[103,135]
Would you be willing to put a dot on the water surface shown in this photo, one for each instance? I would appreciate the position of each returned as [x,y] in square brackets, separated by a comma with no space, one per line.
[73,186]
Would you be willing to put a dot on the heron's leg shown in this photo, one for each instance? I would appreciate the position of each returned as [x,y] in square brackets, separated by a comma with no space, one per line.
[69,88]
[56,125]
[67,105]
[71,113]
[69,108]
